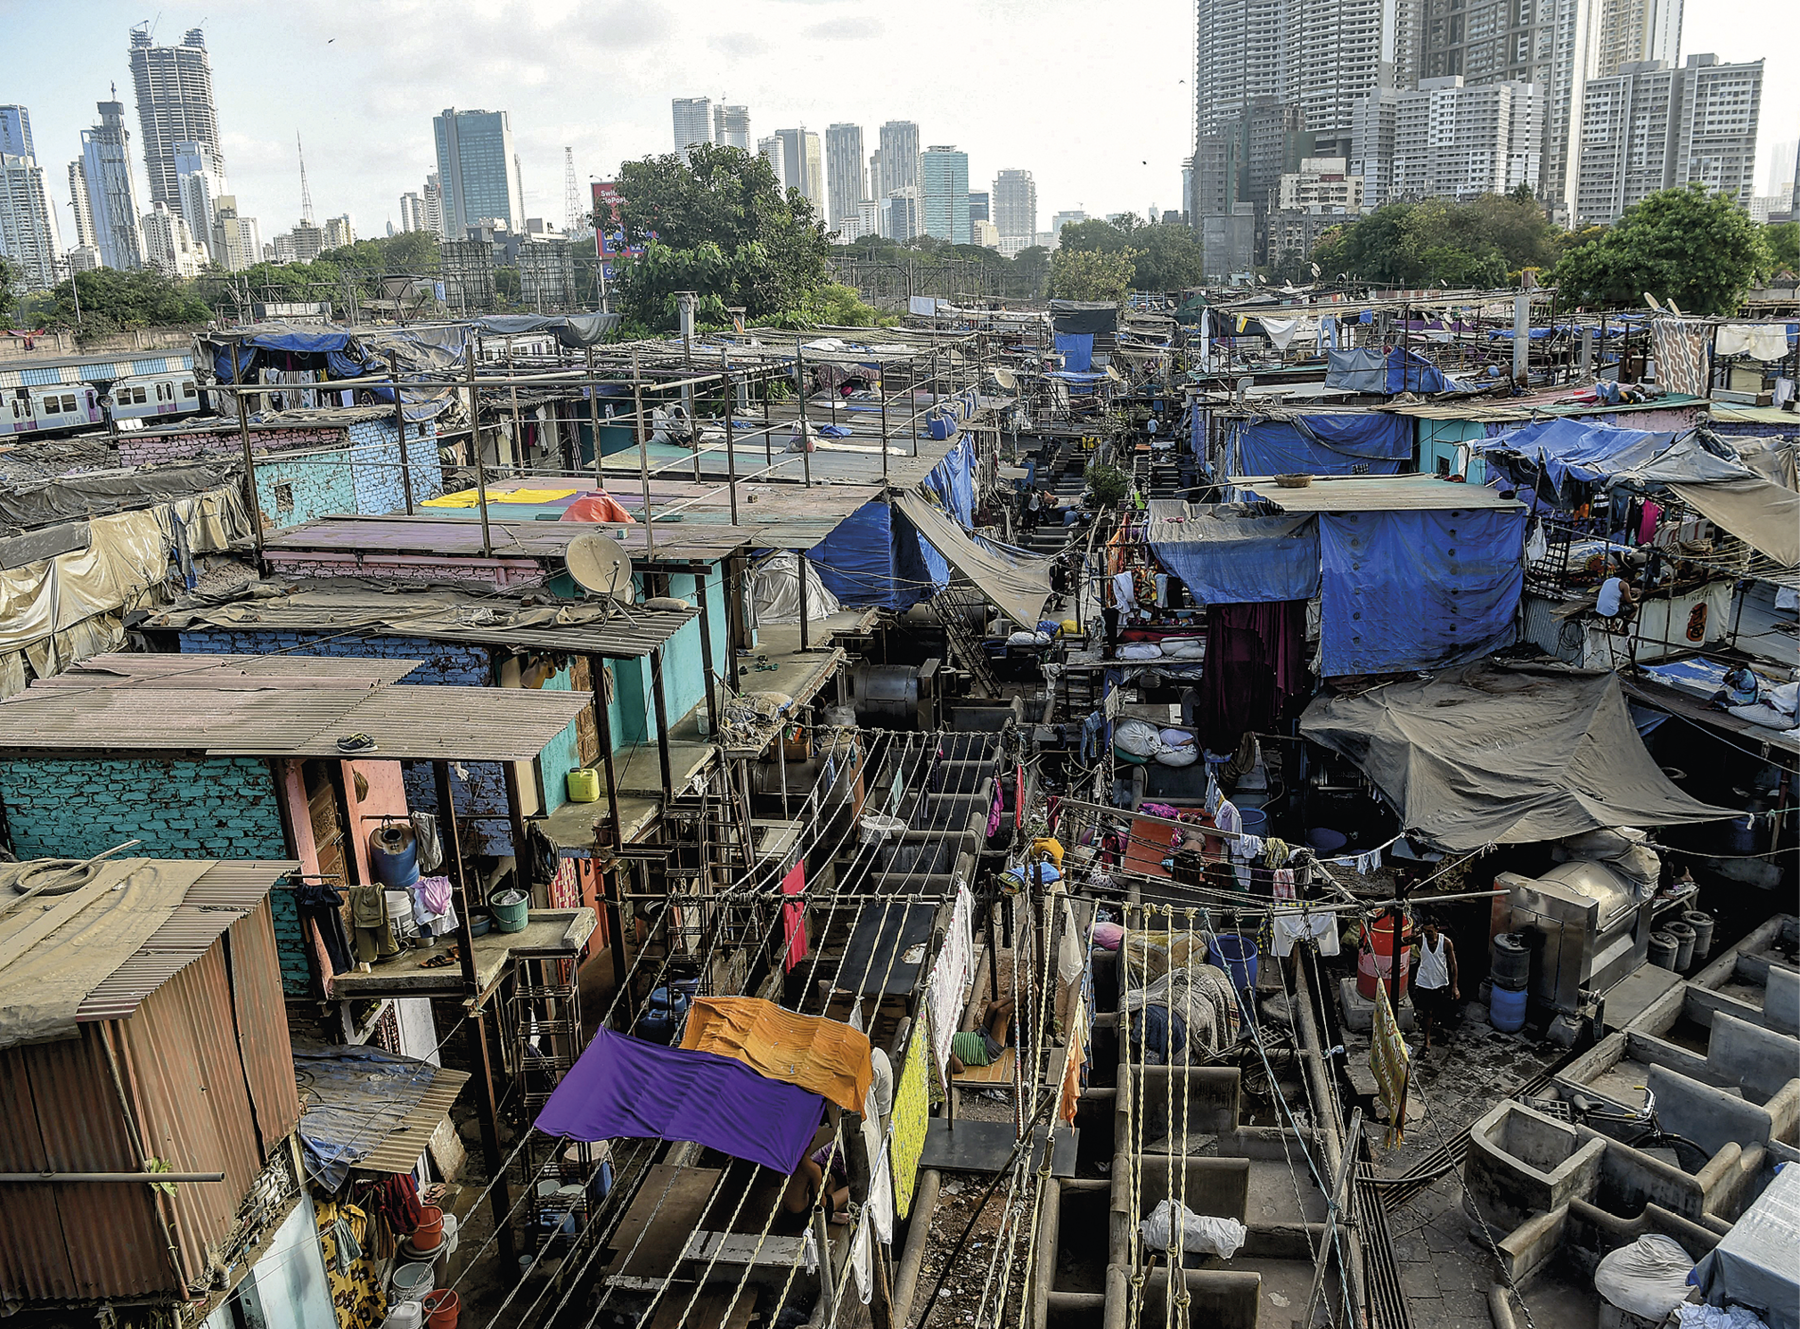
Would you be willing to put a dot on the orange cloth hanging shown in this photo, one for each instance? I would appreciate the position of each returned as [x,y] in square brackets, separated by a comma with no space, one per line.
[825,1056]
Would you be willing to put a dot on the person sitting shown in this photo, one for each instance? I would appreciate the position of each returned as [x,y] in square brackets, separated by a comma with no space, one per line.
[1616,599]
[982,1047]
[823,1159]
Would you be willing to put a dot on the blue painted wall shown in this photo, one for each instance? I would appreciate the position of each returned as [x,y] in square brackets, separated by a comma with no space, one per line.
[1440,439]
[362,477]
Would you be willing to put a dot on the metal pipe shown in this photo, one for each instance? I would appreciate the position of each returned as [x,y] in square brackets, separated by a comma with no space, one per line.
[154,1178]
[659,694]
[400,429]
[251,506]
[643,442]
[593,390]
[805,428]
[603,731]
[730,437]
[487,535]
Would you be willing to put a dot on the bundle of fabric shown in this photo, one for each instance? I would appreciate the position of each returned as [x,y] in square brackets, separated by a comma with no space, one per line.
[1201,998]
[1150,955]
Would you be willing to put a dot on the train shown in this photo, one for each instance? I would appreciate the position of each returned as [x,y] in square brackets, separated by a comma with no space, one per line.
[39,409]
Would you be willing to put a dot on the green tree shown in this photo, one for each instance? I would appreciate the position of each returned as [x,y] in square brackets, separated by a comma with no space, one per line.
[1085,274]
[717,224]
[836,306]
[1689,245]
[1783,243]
[1439,243]
[1031,272]
[1168,258]
[142,298]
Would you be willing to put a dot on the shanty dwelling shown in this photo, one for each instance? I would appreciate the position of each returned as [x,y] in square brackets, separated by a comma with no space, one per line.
[303,758]
[143,1036]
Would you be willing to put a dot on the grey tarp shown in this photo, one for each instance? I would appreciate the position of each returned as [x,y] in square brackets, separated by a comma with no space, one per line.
[1018,583]
[1761,513]
[572,330]
[1753,1264]
[352,1099]
[1503,754]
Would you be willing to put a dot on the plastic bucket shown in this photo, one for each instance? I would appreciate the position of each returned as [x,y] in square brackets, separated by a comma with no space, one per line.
[1684,945]
[1255,821]
[511,911]
[394,854]
[429,1234]
[1236,955]
[1506,1010]
[400,914]
[584,785]
[1375,961]
[1703,931]
[441,1308]
[1512,962]
[404,1315]
[410,1282]
[1662,950]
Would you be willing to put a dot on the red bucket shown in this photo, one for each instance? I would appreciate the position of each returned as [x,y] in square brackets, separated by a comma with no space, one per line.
[1375,960]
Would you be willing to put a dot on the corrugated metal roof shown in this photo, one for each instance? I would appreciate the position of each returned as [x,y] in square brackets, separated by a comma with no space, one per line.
[229,672]
[406,722]
[1376,493]
[1535,408]
[399,1149]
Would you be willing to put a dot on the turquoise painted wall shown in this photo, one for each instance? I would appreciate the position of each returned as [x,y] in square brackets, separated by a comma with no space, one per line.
[1440,439]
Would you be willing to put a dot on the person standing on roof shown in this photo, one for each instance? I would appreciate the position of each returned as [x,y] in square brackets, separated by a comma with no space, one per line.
[1435,991]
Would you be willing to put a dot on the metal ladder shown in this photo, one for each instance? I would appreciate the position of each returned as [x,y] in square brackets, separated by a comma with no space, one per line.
[951,606]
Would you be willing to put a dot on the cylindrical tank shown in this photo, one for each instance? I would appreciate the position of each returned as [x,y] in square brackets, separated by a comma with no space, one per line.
[1512,962]
[1684,945]
[1506,1009]
[886,692]
[1662,950]
[1374,962]
[1702,923]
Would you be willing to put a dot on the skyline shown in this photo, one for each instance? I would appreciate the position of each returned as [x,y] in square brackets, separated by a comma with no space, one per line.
[398,64]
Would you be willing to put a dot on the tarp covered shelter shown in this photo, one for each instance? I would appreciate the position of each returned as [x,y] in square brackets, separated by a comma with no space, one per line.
[1586,450]
[874,559]
[1083,317]
[1495,753]
[1226,555]
[572,330]
[1017,582]
[1390,371]
[1367,442]
[241,354]
[1761,513]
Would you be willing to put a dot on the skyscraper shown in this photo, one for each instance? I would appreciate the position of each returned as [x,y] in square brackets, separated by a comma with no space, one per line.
[899,157]
[844,173]
[902,214]
[693,122]
[434,204]
[803,165]
[1318,55]
[475,164]
[731,126]
[15,132]
[175,105]
[1015,209]
[198,179]
[945,173]
[78,204]
[1631,31]
[106,169]
[412,212]
[26,236]
[769,149]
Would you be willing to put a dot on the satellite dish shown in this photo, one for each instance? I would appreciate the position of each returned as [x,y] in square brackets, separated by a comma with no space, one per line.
[1114,374]
[599,563]
[1006,379]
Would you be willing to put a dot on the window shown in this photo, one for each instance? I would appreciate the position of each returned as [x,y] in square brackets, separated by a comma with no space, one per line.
[187,389]
[137,396]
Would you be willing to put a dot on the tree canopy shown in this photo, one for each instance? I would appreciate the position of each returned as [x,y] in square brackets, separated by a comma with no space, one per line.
[1437,242]
[1087,274]
[1783,243]
[1689,245]
[111,300]
[1165,258]
[716,223]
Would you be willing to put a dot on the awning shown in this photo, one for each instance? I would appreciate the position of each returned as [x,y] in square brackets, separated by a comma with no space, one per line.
[1761,513]
[1018,583]
[368,1109]
[1504,754]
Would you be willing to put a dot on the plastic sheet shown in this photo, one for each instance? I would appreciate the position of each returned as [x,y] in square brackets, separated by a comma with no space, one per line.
[1201,1234]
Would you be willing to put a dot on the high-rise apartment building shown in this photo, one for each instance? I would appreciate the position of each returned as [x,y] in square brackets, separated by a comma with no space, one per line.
[198,182]
[903,214]
[899,157]
[769,149]
[693,122]
[803,165]
[1454,141]
[15,132]
[112,196]
[944,173]
[1631,31]
[308,240]
[868,217]
[168,244]
[475,165]
[844,173]
[1242,162]
[731,126]
[339,232]
[433,197]
[78,204]
[175,106]
[412,212]
[236,241]
[1015,209]
[1649,127]
[1372,144]
[1321,182]
[26,236]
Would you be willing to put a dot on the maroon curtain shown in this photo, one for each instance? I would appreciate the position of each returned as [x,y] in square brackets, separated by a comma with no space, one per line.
[1255,669]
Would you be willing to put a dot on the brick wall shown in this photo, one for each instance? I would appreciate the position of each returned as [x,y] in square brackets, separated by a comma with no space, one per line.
[502,572]
[439,662]
[212,807]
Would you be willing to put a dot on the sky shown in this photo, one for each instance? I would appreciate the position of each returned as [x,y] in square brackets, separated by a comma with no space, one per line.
[1094,99]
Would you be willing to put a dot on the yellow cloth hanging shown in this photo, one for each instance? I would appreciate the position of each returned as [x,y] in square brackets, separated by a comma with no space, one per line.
[468,498]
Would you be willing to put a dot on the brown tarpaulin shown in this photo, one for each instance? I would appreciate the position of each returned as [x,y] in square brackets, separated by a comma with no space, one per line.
[1761,513]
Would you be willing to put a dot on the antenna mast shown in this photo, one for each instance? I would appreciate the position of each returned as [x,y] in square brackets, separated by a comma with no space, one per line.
[571,194]
[306,208]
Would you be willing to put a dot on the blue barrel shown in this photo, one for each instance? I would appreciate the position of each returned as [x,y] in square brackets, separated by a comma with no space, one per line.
[1236,955]
[1506,1010]
[394,855]
[1256,822]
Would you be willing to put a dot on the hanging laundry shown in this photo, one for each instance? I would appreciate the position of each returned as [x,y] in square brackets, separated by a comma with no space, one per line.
[793,917]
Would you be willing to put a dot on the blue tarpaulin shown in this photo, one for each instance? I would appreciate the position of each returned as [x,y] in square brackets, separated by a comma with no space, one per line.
[1390,371]
[953,481]
[243,353]
[875,559]
[1369,443]
[1077,350]
[1417,589]
[1584,450]
[1227,558]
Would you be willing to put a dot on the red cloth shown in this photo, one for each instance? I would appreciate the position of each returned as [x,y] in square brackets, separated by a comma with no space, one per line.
[1255,669]
[793,917]
[596,505]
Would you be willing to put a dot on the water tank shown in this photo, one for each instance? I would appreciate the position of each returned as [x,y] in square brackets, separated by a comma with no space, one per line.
[1512,962]
[1506,1009]
[886,692]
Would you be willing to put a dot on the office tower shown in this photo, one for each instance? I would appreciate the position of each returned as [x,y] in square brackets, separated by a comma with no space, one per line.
[78,204]
[26,235]
[15,132]
[944,176]
[106,168]
[803,165]
[1650,127]
[1318,55]
[1548,45]
[769,149]
[175,105]
[434,204]
[693,122]
[844,173]
[1015,209]
[731,126]
[978,206]
[412,212]
[1631,31]
[236,241]
[899,157]
[198,183]
[1454,141]
[903,215]
[475,166]
[339,232]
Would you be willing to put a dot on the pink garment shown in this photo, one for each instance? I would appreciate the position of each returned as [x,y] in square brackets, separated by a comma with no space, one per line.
[434,895]
[793,917]
[1647,524]
[994,813]
[1284,884]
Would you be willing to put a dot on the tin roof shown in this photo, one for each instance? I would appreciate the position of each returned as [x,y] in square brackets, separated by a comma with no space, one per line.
[459,537]
[1375,493]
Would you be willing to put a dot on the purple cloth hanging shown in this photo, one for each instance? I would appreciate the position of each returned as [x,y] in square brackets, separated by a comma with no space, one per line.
[625,1087]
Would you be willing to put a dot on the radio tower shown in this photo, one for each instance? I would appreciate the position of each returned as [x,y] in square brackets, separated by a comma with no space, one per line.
[306,212]
[571,194]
